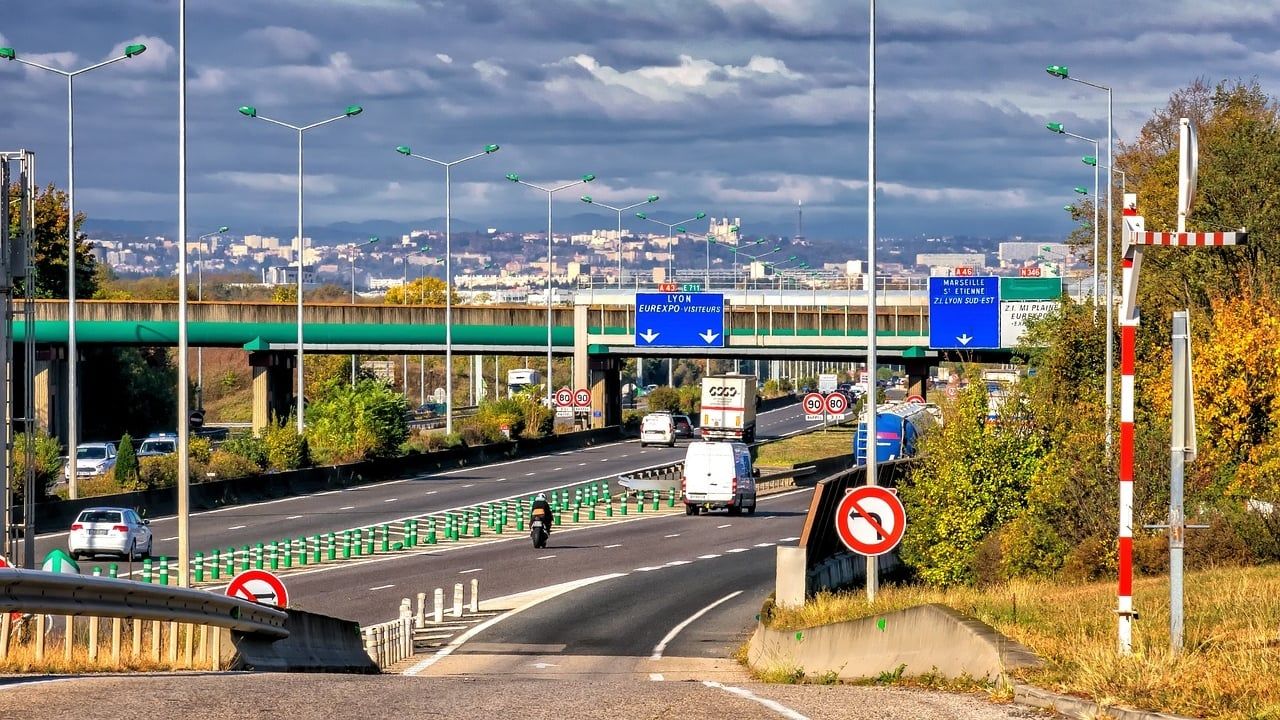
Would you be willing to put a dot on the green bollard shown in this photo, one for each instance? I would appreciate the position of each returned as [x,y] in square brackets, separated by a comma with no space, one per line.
[386,538]
[640,502]
[215,568]
[346,544]
[316,552]
[146,570]
[520,522]
[591,512]
[197,567]
[245,557]
[257,556]
[113,570]
[655,501]
[671,498]
[372,542]
[97,571]
[476,531]
[287,546]
[358,538]
[431,531]
[622,504]
[273,555]
[164,570]
[575,515]
[608,508]
[331,549]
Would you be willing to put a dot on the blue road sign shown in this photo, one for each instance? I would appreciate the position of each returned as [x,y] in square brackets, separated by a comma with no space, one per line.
[964,312]
[684,320]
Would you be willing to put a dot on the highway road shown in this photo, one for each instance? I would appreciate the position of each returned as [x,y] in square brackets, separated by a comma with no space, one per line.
[418,495]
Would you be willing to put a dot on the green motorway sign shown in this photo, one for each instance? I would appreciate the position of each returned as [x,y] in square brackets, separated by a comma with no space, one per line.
[1018,288]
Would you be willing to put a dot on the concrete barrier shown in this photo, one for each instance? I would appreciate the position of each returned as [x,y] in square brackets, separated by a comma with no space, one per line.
[316,643]
[927,638]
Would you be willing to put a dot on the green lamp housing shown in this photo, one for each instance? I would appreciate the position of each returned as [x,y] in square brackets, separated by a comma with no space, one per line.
[132,50]
[248,111]
[588,177]
[353,110]
[513,177]
[490,149]
[1054,127]
[587,199]
[223,229]
[404,150]
[1089,160]
[1058,71]
[8,53]
[642,216]
[652,198]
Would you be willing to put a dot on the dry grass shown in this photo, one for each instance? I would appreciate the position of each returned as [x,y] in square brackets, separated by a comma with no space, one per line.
[818,445]
[21,657]
[1229,669]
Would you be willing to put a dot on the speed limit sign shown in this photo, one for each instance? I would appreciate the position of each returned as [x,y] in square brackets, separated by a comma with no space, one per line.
[564,397]
[837,404]
[814,406]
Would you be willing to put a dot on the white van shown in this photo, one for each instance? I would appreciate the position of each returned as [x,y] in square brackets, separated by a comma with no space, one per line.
[718,475]
[658,428]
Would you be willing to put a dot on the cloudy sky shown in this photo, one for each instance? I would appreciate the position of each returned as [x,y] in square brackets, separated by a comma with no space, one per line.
[733,107]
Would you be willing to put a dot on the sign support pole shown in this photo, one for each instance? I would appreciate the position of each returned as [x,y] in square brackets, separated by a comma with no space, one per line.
[873,567]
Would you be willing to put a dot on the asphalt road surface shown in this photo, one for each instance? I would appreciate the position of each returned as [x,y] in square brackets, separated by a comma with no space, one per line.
[414,496]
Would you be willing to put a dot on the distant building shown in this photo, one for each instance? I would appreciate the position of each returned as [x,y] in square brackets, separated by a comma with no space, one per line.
[287,275]
[1015,253]
[952,260]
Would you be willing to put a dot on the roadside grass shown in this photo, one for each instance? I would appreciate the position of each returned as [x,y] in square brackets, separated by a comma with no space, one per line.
[799,449]
[22,659]
[1230,667]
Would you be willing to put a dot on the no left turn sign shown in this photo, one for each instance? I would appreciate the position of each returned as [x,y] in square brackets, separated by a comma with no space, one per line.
[870,520]
[259,586]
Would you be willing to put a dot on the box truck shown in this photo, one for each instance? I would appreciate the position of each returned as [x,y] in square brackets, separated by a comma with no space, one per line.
[729,408]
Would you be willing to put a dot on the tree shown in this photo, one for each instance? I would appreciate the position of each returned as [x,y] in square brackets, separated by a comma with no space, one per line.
[49,244]
[126,468]
[48,462]
[355,423]
[422,291]
[664,399]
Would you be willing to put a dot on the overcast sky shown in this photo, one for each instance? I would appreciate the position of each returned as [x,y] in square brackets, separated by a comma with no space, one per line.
[733,107]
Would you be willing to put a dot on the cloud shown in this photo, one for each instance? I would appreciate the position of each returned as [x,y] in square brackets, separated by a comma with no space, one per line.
[444,58]
[159,56]
[288,44]
[263,182]
[689,76]
[489,72]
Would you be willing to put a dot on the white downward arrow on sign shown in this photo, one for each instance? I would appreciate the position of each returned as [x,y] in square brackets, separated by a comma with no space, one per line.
[709,336]
[649,336]
[964,339]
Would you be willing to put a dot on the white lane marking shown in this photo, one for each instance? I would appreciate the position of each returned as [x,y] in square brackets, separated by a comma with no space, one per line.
[672,535]
[666,640]
[175,537]
[581,464]
[608,547]
[476,630]
[566,452]
[648,569]
[347,507]
[432,492]
[622,455]
[468,572]
[712,556]
[391,500]
[382,587]
[556,469]
[237,527]
[500,480]
[775,706]
[604,459]
[736,550]
[293,517]
[656,677]
[546,557]
[721,527]
[529,473]
[764,544]
[468,485]
[674,563]
[787,539]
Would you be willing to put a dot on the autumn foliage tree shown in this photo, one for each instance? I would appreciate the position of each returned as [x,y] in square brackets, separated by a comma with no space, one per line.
[49,244]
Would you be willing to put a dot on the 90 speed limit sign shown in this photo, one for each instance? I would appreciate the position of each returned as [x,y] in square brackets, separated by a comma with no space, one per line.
[814,406]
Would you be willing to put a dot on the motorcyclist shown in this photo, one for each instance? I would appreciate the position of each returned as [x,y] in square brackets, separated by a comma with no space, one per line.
[541,510]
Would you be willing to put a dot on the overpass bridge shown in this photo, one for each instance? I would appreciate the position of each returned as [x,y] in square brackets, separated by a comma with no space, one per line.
[598,335]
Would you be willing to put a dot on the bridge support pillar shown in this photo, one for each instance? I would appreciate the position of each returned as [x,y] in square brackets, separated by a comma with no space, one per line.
[606,390]
[50,390]
[272,387]
[917,378]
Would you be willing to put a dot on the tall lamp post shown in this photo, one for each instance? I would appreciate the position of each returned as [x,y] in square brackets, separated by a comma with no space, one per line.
[1057,127]
[670,227]
[448,268]
[73,395]
[355,248]
[592,201]
[299,245]
[1063,73]
[200,297]
[735,248]
[550,191]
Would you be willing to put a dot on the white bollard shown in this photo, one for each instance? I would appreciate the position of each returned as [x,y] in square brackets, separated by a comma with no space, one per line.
[421,618]
[457,600]
[406,608]
[475,595]
[438,613]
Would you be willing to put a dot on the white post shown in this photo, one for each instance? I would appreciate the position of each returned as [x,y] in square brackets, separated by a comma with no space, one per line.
[73,392]
[438,611]
[448,302]
[184,410]
[475,595]
[421,618]
[301,251]
[457,600]
[873,577]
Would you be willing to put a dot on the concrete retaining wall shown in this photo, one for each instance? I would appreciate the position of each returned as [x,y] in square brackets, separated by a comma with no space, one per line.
[316,643]
[58,515]
[928,638]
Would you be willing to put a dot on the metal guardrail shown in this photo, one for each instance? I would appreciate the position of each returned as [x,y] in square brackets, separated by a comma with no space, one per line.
[433,423]
[38,592]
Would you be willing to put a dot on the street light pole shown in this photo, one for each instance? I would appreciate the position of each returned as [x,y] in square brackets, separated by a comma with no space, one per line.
[550,191]
[354,250]
[592,201]
[299,245]
[669,227]
[73,395]
[1057,128]
[200,298]
[1063,73]
[448,273]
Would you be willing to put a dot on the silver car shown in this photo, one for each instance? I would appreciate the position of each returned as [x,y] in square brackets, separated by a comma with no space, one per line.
[110,531]
[92,459]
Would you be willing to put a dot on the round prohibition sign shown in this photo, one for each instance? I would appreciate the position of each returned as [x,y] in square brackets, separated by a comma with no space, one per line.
[814,403]
[564,397]
[259,586]
[582,398]
[837,404]
[871,520]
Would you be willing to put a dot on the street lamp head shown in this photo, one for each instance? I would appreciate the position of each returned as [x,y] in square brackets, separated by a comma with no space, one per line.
[223,229]
[1082,190]
[248,111]
[132,50]
[1068,208]
[490,149]
[1054,127]
[1058,71]
[513,177]
[642,216]
[587,199]
[681,229]
[353,110]
[651,198]
[373,239]
[8,53]
[699,216]
[588,177]
[1089,160]
[404,150]
[733,228]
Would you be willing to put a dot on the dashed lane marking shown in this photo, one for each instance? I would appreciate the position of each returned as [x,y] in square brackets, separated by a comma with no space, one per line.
[528,474]
[468,572]
[382,587]
[347,507]
[468,485]
[175,537]
[391,500]
[615,545]
[721,527]
[764,544]
[672,535]
[736,550]
[648,569]
[788,539]
[293,517]
[713,556]
[237,527]
[675,563]
[546,557]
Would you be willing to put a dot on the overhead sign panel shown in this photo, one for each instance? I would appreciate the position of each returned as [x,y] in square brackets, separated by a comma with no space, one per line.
[964,313]
[1015,315]
[683,320]
[1030,288]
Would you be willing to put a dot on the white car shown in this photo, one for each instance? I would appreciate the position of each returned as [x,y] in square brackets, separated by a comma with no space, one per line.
[92,459]
[158,444]
[110,531]
[658,428]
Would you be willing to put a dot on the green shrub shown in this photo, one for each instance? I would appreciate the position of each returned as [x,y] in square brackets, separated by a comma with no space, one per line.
[199,449]
[100,485]
[226,464]
[664,399]
[539,420]
[250,448]
[691,400]
[631,420]
[126,467]
[48,463]
[510,412]
[160,471]
[356,423]
[285,448]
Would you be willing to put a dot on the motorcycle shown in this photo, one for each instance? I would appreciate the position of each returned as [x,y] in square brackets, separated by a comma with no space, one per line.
[539,533]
